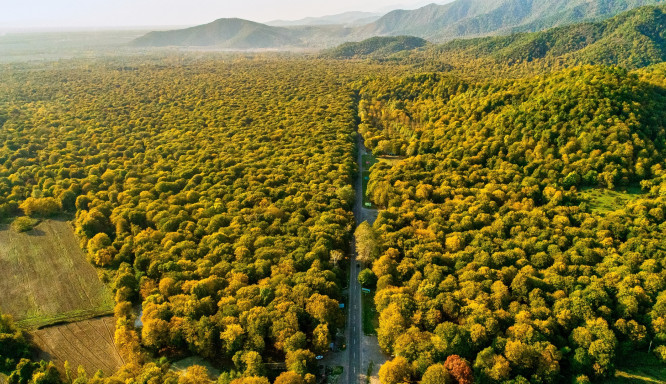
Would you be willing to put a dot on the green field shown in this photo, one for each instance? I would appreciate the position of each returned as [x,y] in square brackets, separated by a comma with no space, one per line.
[370,315]
[47,279]
[606,200]
[640,368]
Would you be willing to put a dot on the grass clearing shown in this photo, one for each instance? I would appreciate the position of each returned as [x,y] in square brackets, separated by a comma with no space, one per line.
[47,279]
[182,365]
[370,315]
[607,200]
[87,343]
[642,367]
[391,160]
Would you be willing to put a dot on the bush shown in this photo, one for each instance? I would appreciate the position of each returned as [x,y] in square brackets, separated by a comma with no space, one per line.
[24,224]
[367,278]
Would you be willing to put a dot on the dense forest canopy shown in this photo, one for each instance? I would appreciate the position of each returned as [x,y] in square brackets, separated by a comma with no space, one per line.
[215,193]
[485,248]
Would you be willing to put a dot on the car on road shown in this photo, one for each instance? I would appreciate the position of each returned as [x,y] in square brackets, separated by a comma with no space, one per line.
[319,357]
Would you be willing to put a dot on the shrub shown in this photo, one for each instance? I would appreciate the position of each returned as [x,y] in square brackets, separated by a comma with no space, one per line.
[24,224]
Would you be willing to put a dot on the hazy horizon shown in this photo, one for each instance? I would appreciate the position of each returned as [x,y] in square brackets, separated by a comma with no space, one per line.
[105,14]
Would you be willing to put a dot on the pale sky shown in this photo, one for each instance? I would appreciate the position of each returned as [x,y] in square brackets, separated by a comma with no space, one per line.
[44,14]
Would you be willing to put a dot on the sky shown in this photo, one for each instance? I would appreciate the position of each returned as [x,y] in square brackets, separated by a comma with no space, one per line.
[51,14]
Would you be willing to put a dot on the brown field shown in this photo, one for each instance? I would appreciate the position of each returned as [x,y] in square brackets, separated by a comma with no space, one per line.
[46,278]
[88,343]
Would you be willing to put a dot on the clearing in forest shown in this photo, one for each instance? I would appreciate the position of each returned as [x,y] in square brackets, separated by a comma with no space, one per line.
[642,367]
[47,279]
[607,200]
[87,343]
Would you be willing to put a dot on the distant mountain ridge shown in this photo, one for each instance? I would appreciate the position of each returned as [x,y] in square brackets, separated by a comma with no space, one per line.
[436,23]
[473,18]
[346,19]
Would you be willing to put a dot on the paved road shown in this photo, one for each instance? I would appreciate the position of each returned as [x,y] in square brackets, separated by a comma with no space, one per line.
[354,323]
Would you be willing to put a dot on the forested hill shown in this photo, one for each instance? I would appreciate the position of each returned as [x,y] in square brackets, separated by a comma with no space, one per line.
[469,18]
[485,247]
[632,39]
[376,47]
[223,33]
[437,23]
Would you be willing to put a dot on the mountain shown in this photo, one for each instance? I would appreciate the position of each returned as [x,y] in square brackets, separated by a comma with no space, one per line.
[376,46]
[434,22]
[633,39]
[224,33]
[473,18]
[347,19]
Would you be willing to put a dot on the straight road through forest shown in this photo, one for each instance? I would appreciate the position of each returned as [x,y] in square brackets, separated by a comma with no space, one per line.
[354,324]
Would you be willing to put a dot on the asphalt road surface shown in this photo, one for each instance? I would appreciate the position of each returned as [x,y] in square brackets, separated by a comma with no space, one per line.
[355,324]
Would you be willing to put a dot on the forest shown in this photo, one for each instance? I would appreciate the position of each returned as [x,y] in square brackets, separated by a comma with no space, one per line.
[485,249]
[214,194]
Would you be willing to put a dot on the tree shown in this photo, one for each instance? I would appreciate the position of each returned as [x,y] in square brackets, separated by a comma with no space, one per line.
[367,278]
[391,325]
[452,339]
[366,243]
[289,377]
[253,364]
[300,361]
[195,374]
[13,346]
[68,200]
[155,332]
[321,338]
[396,371]
[45,206]
[251,380]
[491,365]
[24,224]
[459,369]
[437,374]
[336,257]
[323,309]
[232,338]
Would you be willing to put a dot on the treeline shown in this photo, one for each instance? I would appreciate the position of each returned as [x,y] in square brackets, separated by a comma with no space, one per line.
[214,193]
[485,250]
[378,47]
